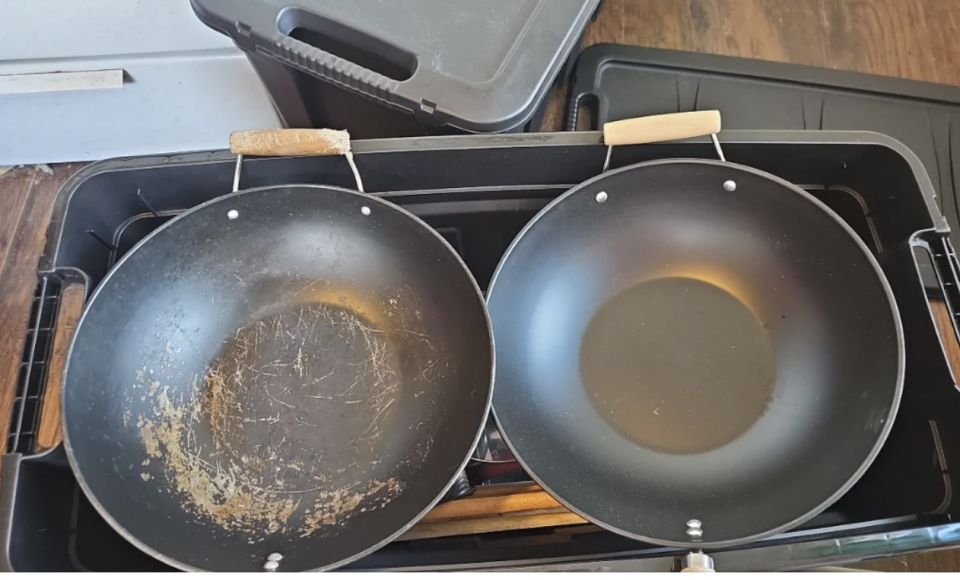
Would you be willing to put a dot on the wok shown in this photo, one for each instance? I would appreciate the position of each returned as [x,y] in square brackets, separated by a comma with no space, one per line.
[285,377]
[691,352]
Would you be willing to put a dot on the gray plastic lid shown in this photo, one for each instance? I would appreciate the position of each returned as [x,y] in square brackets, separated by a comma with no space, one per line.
[477,65]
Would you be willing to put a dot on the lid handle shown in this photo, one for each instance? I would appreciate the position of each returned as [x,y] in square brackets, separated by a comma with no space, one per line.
[656,128]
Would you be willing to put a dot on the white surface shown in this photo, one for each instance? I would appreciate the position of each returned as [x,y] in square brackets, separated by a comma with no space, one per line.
[185,87]
[60,82]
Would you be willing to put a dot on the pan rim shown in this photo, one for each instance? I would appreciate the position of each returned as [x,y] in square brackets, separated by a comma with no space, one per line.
[174,563]
[881,278]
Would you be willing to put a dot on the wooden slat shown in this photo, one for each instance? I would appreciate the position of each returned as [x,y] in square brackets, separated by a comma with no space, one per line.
[503,523]
[56,82]
[71,306]
[494,508]
[26,198]
[505,489]
[510,499]
[949,338]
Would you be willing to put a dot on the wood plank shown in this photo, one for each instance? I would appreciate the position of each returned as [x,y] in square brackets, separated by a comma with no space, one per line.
[512,501]
[55,82]
[935,561]
[941,316]
[886,37]
[16,194]
[510,522]
[71,307]
[18,279]
[502,489]
[16,186]
[494,508]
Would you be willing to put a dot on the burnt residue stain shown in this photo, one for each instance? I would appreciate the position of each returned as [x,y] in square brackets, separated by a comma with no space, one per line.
[699,16]
[211,487]
[285,430]
[677,365]
[335,507]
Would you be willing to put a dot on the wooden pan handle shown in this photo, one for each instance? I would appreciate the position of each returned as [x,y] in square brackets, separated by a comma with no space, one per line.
[71,306]
[656,128]
[290,142]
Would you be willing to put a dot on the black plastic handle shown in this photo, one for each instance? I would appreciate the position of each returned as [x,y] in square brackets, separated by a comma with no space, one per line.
[341,54]
[334,69]
[573,111]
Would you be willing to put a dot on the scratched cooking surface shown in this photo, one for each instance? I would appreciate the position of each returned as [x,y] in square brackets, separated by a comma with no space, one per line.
[269,387]
[917,40]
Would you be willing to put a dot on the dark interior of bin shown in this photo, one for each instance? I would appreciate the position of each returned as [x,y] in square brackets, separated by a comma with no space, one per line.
[479,199]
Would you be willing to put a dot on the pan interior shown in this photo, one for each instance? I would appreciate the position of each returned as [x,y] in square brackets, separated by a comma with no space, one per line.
[281,377]
[677,365]
[264,412]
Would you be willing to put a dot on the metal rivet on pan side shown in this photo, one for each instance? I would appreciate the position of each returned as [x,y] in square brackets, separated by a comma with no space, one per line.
[601,197]
[273,562]
[365,210]
[694,528]
[233,214]
[730,185]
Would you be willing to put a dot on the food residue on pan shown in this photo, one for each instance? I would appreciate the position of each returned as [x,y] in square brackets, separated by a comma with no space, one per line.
[285,429]
[221,491]
[334,508]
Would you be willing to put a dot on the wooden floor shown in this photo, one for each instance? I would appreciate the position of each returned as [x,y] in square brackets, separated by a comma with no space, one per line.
[915,39]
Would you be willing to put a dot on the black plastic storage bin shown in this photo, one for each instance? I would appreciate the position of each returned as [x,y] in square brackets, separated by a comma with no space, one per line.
[406,67]
[479,192]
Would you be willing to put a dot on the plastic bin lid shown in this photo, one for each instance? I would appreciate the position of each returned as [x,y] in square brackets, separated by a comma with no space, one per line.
[477,65]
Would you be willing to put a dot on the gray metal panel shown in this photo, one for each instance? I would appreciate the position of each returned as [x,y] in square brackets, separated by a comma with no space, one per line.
[184,86]
[53,29]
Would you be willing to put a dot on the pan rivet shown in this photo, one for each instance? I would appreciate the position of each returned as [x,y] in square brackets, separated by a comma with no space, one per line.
[233,214]
[365,210]
[730,185]
[694,528]
[601,197]
[273,562]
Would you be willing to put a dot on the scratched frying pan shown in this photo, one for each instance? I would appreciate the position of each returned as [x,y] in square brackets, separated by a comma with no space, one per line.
[286,374]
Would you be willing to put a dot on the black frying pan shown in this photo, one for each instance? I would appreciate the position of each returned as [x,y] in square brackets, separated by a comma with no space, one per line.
[694,353]
[287,372]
